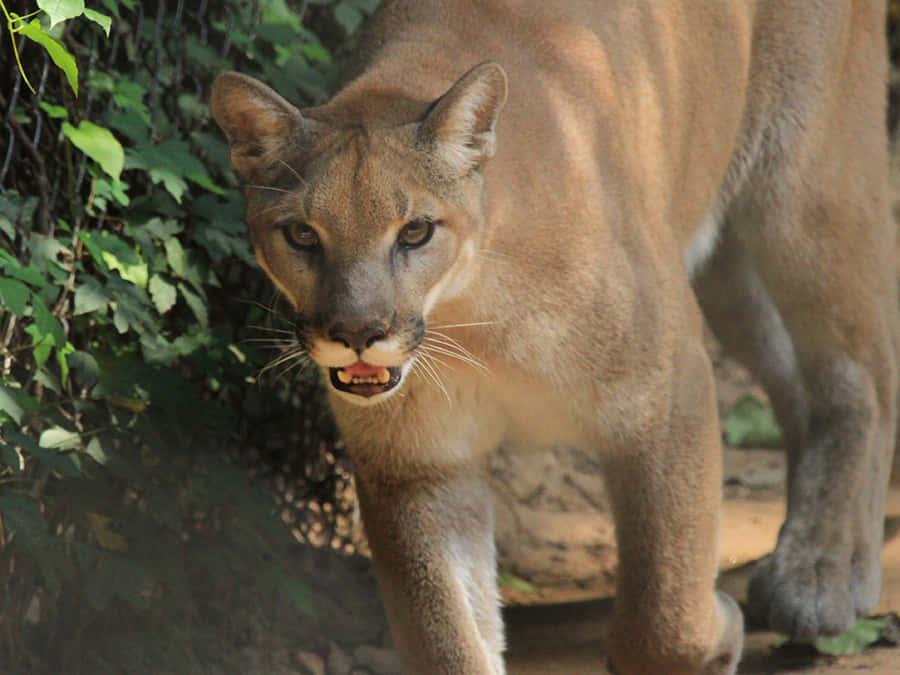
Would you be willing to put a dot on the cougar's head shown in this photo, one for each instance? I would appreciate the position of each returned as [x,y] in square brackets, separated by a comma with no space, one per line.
[365,214]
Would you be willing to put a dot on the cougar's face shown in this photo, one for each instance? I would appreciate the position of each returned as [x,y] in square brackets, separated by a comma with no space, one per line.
[363,250]
[365,213]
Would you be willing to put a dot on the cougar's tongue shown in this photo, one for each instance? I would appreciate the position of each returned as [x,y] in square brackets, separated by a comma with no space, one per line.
[362,369]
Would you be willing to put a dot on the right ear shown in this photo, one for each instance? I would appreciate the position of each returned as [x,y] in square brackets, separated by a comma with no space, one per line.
[257,122]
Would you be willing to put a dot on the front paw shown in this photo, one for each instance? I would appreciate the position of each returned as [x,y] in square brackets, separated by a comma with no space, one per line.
[802,596]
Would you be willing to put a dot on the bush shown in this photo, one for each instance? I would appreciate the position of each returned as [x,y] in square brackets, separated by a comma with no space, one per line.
[129,361]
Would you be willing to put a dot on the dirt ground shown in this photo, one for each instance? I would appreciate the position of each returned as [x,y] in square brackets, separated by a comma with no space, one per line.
[566,638]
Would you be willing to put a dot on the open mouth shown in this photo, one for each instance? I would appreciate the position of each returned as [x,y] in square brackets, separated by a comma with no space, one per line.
[364,379]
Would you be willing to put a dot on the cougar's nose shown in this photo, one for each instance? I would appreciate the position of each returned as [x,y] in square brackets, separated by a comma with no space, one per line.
[357,339]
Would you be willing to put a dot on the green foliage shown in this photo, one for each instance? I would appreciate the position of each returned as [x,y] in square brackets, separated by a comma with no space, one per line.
[512,582]
[751,424]
[128,290]
[865,633]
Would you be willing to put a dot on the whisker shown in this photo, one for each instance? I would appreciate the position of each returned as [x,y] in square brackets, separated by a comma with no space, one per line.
[433,359]
[266,343]
[429,370]
[293,171]
[463,325]
[443,338]
[447,345]
[493,256]
[267,187]
[266,308]
[284,358]
[301,362]
[272,330]
[452,346]
[456,355]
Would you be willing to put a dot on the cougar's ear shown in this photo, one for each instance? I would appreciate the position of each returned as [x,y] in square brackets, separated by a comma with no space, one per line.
[257,122]
[459,127]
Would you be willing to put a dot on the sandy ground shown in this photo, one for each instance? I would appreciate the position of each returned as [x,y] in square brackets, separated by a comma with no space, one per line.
[567,638]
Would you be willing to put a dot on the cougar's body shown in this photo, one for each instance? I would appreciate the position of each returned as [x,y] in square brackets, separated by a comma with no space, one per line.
[502,230]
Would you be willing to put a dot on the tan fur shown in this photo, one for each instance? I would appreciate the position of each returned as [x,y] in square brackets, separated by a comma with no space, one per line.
[619,154]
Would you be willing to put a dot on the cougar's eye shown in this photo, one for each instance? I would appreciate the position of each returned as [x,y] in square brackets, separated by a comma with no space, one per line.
[300,235]
[416,232]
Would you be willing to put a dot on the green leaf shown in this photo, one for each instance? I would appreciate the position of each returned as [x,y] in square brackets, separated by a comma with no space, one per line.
[21,514]
[85,368]
[175,256]
[95,451]
[56,112]
[750,423]
[163,294]
[866,632]
[129,95]
[515,583]
[170,163]
[316,53]
[15,210]
[90,296]
[163,229]
[173,182]
[57,438]
[63,463]
[46,250]
[111,190]
[57,51]
[120,320]
[99,144]
[158,351]
[10,404]
[14,296]
[41,345]
[61,10]
[131,124]
[348,17]
[62,359]
[367,6]
[101,20]
[46,323]
[136,273]
[114,253]
[89,239]
[196,303]
[48,379]
[12,459]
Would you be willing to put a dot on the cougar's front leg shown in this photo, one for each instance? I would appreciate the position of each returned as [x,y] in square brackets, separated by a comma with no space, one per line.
[433,549]
[665,489]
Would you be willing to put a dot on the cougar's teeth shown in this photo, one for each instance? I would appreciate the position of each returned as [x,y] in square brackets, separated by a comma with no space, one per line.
[383,376]
[344,377]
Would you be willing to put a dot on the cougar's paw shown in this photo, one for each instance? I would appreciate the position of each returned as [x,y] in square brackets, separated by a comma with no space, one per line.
[802,597]
[683,652]
[727,652]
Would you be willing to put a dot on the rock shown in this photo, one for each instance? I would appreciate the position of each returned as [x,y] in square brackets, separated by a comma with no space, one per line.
[339,661]
[377,660]
[310,663]
[553,526]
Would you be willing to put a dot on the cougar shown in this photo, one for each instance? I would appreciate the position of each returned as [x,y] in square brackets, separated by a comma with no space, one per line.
[507,226]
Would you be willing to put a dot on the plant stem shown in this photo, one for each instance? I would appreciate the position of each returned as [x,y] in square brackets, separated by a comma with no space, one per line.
[10,21]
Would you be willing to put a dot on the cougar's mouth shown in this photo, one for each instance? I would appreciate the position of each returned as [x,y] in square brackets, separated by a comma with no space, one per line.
[364,379]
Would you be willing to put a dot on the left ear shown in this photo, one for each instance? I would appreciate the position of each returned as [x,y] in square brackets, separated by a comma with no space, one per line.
[257,122]
[459,128]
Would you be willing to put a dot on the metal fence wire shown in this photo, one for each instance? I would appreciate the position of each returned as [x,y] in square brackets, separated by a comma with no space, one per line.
[146,42]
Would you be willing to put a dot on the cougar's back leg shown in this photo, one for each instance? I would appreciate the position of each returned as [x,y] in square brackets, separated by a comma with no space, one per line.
[812,235]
